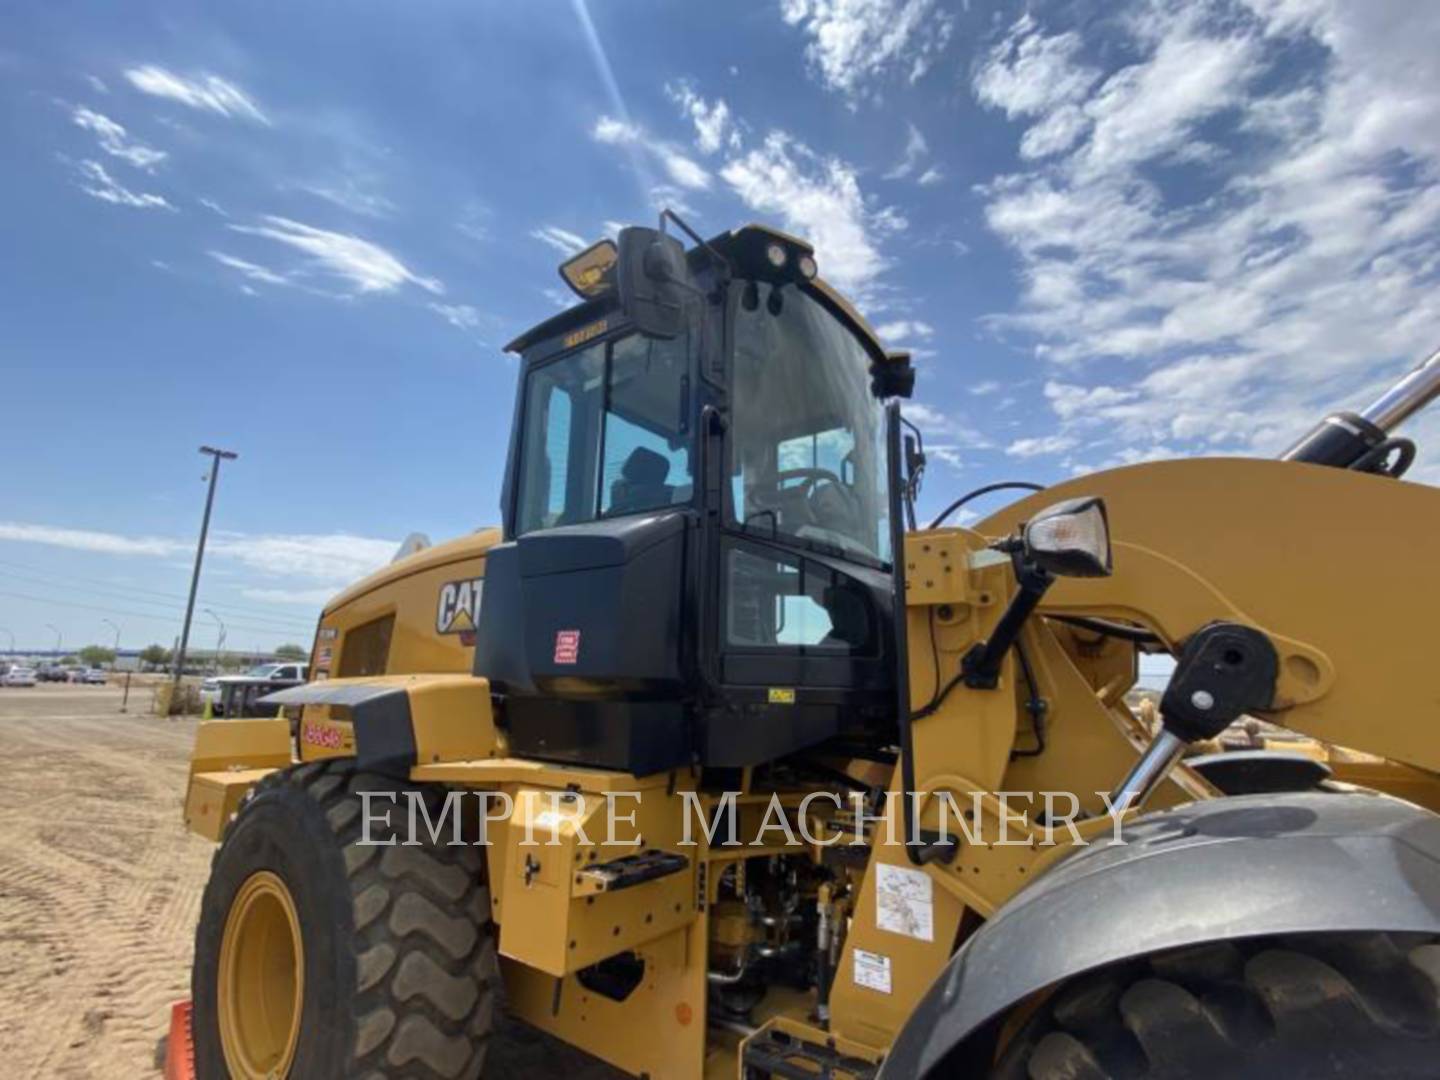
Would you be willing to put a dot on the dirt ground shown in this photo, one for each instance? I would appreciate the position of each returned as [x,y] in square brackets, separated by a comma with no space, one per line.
[100,887]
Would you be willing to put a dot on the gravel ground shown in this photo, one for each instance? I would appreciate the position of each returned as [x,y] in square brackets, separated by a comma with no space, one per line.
[100,887]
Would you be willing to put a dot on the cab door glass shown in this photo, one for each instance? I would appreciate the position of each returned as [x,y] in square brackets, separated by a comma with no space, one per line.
[775,600]
[647,438]
[562,408]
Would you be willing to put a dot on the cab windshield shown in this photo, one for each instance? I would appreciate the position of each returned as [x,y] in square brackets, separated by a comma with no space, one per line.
[808,457]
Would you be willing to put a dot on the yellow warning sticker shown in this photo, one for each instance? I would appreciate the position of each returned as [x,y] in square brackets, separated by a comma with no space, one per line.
[782,695]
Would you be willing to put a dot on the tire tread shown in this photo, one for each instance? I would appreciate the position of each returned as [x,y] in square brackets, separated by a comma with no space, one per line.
[1342,1005]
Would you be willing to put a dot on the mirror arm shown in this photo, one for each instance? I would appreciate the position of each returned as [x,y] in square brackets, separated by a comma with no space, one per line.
[981,666]
[704,245]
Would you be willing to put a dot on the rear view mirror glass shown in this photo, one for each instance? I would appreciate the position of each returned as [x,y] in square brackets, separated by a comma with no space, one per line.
[654,281]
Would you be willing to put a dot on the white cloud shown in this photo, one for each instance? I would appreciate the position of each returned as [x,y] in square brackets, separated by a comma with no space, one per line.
[714,126]
[947,427]
[948,436]
[930,177]
[562,240]
[338,557]
[365,265]
[332,557]
[559,297]
[813,195]
[97,182]
[947,454]
[460,316]
[818,198]
[856,43]
[206,92]
[1070,402]
[609,130]
[103,543]
[683,171]
[1030,73]
[905,330]
[915,150]
[982,389]
[250,270]
[1149,109]
[1035,446]
[114,140]
[310,598]
[349,194]
[1294,269]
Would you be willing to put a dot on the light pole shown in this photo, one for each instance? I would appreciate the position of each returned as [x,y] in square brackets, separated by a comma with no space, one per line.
[52,626]
[219,638]
[216,456]
[116,628]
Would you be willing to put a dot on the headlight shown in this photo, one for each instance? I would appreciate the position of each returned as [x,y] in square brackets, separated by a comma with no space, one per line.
[1071,539]
[776,254]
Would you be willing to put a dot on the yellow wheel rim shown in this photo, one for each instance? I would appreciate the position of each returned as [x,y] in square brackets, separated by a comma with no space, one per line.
[262,980]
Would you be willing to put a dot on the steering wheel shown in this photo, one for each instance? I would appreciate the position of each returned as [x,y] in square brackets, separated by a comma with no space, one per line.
[813,481]
[809,475]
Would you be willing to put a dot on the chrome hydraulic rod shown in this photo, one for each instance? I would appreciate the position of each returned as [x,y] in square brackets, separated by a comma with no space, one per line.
[1353,439]
[1153,766]
[1407,397]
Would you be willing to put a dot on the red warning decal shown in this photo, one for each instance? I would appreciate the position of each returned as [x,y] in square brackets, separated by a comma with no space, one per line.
[567,646]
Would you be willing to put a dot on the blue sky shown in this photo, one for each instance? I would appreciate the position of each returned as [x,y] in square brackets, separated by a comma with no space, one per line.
[1110,232]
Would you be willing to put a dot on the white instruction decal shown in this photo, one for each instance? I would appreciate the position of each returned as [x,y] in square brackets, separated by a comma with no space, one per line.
[905,902]
[872,971]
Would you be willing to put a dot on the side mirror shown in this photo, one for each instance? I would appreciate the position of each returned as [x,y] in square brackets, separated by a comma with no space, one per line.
[653,280]
[1070,539]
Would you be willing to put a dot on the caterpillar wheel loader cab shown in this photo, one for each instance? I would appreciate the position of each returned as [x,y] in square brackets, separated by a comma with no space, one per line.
[697,559]
[762,782]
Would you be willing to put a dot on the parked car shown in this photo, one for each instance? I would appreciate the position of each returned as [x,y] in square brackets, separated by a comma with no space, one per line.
[19,676]
[51,673]
[276,676]
[94,677]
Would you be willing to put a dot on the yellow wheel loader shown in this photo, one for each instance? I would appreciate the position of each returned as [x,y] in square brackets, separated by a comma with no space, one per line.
[710,762]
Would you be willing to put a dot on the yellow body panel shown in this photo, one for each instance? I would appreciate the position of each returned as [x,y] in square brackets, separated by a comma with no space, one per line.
[1341,561]
[658,1031]
[240,744]
[410,590]
[551,919]
[213,797]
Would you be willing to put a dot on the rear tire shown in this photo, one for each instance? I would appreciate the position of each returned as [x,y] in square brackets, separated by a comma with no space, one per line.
[399,973]
[1334,1005]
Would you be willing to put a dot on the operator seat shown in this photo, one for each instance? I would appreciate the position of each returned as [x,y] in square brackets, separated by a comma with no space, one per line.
[641,484]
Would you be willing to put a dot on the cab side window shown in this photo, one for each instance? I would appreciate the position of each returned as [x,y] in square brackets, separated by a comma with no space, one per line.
[776,600]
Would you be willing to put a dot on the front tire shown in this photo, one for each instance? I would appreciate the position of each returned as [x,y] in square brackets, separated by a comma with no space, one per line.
[1343,1005]
[320,957]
